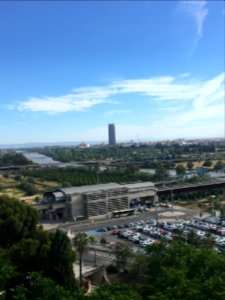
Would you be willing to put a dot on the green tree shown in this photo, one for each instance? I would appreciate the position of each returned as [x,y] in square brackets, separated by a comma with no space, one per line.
[29,188]
[25,256]
[13,159]
[161,173]
[207,163]
[137,267]
[219,166]
[180,169]
[60,260]
[190,165]
[114,292]
[122,254]
[193,239]
[103,241]
[7,271]
[183,272]
[81,242]
[32,254]
[208,242]
[37,287]
[17,220]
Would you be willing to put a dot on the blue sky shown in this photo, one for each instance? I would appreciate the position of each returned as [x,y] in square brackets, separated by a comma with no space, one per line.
[154,68]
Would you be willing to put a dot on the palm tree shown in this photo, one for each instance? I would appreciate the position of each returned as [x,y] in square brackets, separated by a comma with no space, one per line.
[81,243]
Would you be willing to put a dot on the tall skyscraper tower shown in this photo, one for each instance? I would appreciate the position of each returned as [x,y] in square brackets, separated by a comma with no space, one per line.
[112,134]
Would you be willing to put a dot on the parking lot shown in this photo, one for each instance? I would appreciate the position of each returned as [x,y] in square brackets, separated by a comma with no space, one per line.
[142,233]
[149,227]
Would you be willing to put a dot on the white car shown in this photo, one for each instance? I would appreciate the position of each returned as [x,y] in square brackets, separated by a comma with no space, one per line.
[200,233]
[127,233]
[147,229]
[147,242]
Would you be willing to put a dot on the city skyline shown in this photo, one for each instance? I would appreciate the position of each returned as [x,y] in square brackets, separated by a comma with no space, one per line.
[155,69]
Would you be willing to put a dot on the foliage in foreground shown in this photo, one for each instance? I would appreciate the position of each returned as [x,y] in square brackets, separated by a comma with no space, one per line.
[37,265]
[183,272]
[26,248]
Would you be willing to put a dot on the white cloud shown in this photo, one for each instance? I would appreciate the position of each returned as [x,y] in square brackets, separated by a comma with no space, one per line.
[198,11]
[184,75]
[180,100]
[111,113]
[211,91]
[159,88]
[208,104]
[62,104]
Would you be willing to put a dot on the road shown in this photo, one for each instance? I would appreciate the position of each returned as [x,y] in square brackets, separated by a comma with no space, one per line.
[93,225]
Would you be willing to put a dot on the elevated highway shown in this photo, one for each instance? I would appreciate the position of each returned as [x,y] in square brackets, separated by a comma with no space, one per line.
[185,187]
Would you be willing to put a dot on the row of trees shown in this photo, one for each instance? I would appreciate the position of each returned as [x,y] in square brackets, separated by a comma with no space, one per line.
[13,159]
[134,153]
[77,176]
[73,176]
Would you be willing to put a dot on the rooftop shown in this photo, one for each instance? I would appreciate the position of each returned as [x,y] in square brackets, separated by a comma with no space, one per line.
[105,186]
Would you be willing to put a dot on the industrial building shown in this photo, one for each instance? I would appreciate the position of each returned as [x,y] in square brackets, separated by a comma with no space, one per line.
[93,201]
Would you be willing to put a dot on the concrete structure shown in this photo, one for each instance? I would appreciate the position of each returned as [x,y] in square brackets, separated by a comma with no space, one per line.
[95,275]
[93,201]
[112,134]
[187,187]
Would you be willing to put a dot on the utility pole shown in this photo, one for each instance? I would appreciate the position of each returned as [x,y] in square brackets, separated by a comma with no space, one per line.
[156,201]
[171,197]
[212,204]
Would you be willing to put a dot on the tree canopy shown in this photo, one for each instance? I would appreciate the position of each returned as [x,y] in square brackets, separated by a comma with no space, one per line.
[17,220]
[81,242]
[13,159]
[38,265]
[184,272]
[180,169]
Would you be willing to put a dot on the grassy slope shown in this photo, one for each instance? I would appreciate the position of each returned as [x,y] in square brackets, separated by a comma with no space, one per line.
[8,185]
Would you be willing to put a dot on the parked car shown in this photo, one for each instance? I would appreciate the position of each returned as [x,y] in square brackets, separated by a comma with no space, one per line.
[220,230]
[169,226]
[102,229]
[115,232]
[120,226]
[165,205]
[152,222]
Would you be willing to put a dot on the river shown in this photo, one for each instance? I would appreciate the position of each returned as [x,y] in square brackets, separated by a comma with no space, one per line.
[39,159]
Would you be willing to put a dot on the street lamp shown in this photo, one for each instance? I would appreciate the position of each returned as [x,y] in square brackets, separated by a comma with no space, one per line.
[171,197]
[212,198]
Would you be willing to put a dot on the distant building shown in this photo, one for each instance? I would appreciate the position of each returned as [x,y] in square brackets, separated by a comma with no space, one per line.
[112,134]
[83,146]
[93,201]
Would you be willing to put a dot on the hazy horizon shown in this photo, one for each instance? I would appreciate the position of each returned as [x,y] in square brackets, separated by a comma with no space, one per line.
[76,143]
